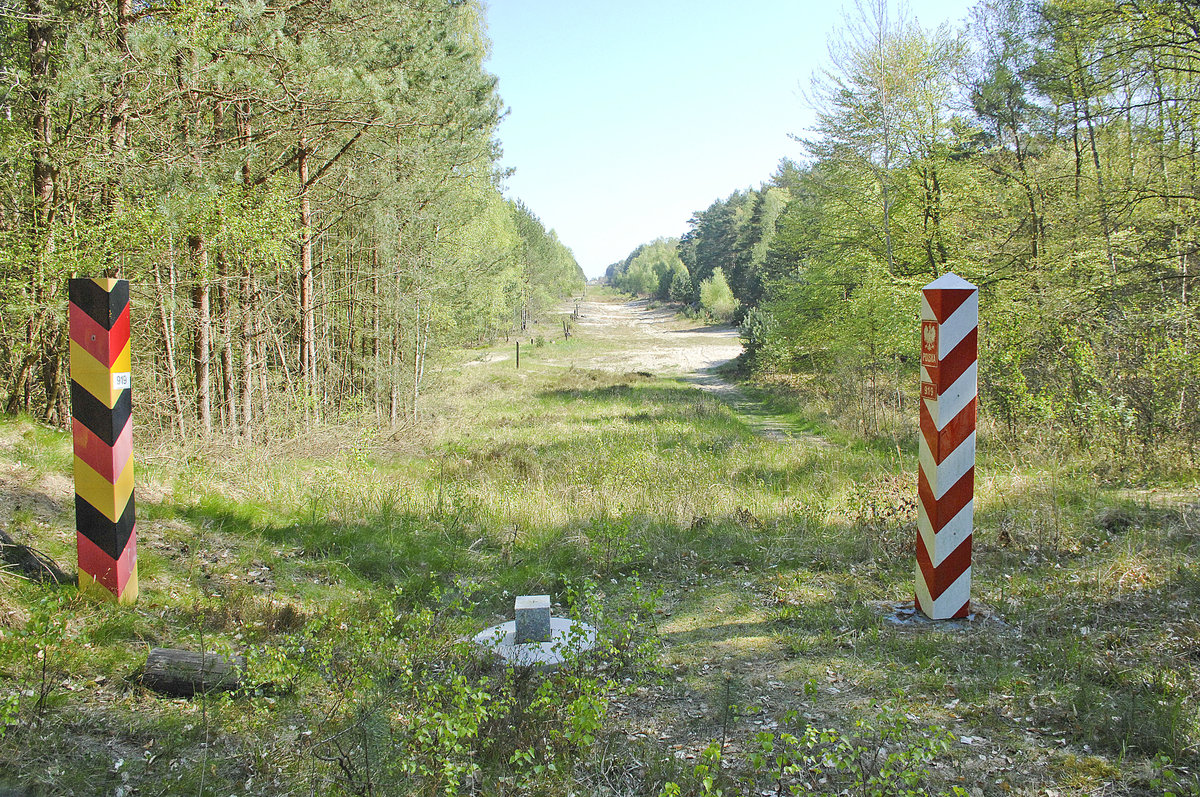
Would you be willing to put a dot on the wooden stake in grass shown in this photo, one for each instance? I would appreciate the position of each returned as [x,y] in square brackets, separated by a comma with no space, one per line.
[946,481]
[103,434]
[518,355]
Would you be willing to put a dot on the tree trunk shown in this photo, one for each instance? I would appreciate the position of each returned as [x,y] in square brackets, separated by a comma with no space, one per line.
[393,380]
[249,300]
[307,327]
[1100,193]
[375,313]
[250,332]
[166,318]
[394,355]
[241,115]
[118,126]
[18,397]
[52,374]
[203,334]
[418,358]
[264,379]
[40,33]
[225,316]
[1078,147]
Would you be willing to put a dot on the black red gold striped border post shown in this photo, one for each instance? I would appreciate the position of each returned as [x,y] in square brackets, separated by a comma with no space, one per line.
[102,431]
[946,476]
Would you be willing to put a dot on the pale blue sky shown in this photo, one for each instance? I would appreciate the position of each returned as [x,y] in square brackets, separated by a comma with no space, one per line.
[626,117]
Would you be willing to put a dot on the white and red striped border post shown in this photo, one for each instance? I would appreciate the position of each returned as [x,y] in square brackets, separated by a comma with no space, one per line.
[946,481]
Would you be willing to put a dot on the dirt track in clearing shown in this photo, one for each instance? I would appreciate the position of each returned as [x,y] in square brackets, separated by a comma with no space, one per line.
[655,340]
[661,342]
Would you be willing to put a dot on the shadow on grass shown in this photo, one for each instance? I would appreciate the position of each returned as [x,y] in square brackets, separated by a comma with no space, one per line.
[649,393]
[416,553]
[1109,668]
[716,632]
[423,552]
[711,329]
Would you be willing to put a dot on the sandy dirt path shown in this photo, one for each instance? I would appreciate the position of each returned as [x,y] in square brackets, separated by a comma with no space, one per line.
[657,341]
[624,336]
[638,338]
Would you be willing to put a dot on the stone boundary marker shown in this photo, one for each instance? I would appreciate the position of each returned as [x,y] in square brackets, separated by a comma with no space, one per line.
[548,641]
[946,479]
[532,618]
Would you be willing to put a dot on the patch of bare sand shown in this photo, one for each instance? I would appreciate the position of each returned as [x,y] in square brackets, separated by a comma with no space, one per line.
[653,339]
[658,341]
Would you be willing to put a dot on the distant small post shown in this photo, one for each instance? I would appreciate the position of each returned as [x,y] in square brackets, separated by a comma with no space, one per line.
[946,475]
[518,355]
[102,430]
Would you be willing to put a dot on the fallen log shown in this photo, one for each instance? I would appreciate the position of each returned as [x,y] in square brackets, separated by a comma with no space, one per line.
[182,673]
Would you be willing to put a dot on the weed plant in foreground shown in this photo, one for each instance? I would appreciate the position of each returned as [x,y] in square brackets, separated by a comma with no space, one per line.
[746,589]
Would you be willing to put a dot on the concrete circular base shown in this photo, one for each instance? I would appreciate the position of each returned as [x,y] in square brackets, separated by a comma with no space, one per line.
[566,636]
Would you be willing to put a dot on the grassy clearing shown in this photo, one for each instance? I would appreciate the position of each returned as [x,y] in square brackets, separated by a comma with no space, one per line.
[746,590]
